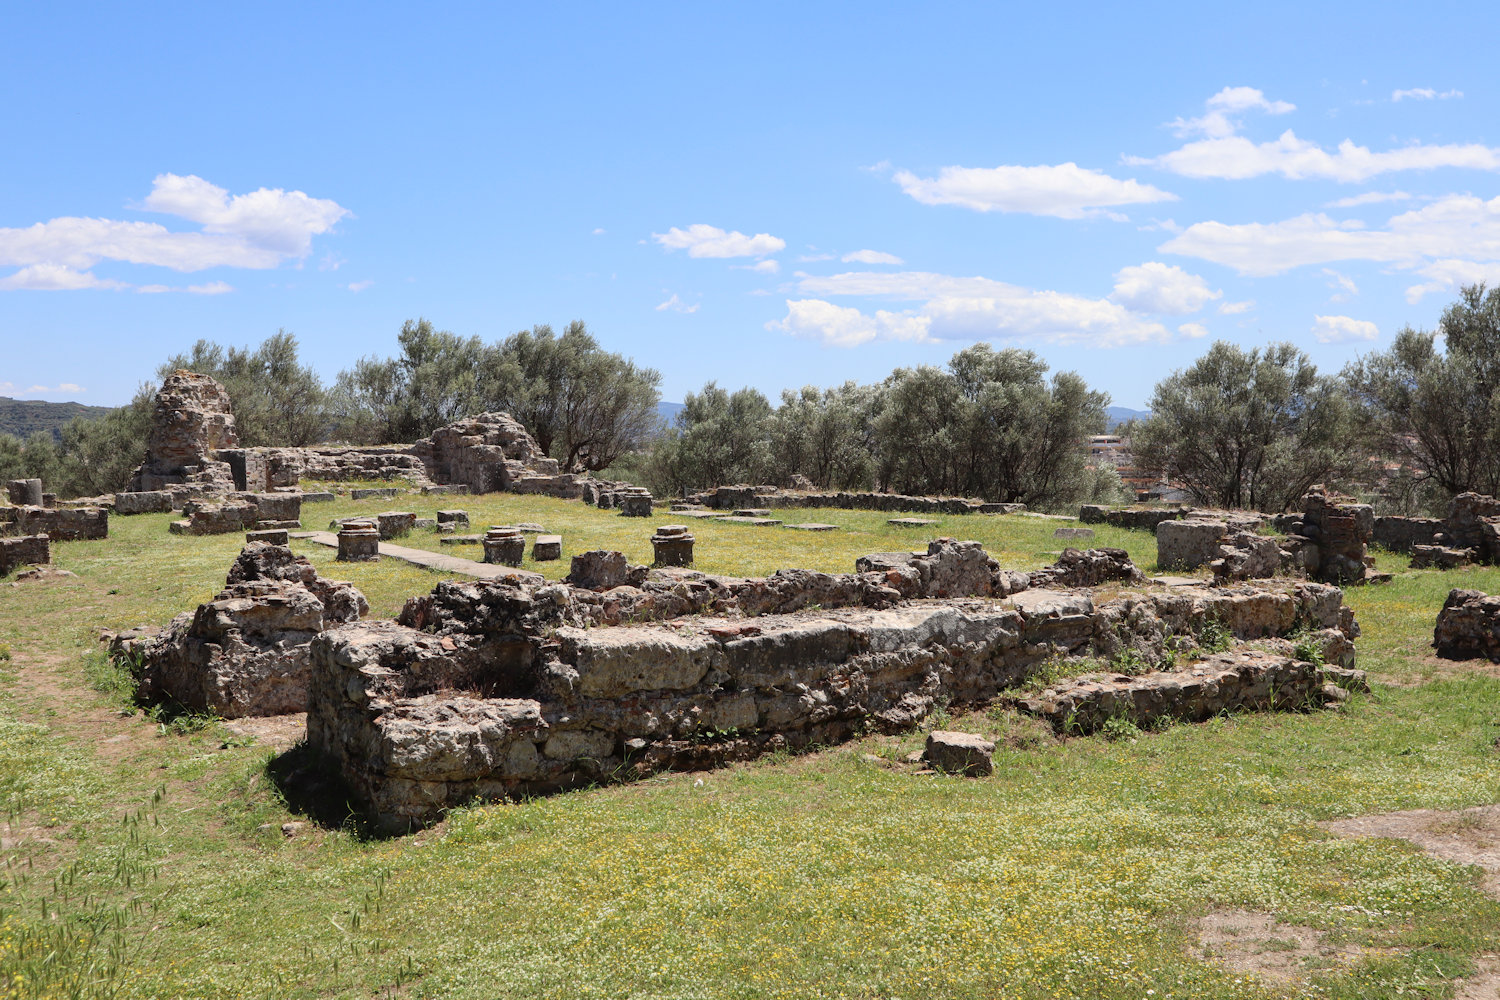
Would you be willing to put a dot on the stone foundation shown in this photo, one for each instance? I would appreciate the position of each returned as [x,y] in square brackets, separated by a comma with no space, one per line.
[483,690]
[28,550]
[65,524]
[1138,518]
[146,502]
[732,497]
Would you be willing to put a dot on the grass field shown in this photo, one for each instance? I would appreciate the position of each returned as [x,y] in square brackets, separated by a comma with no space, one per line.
[145,857]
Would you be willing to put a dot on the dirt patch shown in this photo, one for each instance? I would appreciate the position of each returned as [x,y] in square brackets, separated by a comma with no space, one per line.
[279,732]
[1484,984]
[1257,943]
[1464,836]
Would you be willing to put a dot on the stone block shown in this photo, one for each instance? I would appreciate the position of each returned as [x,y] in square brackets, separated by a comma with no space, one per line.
[395,524]
[546,548]
[359,541]
[321,496]
[813,526]
[26,550]
[960,753]
[25,492]
[504,545]
[1074,534]
[460,517]
[374,493]
[910,522]
[672,545]
[1188,544]
[276,536]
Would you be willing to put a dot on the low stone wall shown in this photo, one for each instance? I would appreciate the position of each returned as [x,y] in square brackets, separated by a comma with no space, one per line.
[1137,518]
[1188,544]
[1399,534]
[246,651]
[1234,681]
[27,550]
[67,524]
[737,497]
[484,690]
[144,502]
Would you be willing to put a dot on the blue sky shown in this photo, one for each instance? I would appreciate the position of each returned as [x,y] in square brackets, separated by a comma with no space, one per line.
[769,194]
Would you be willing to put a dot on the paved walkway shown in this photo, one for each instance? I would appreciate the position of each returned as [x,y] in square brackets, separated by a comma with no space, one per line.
[439,561]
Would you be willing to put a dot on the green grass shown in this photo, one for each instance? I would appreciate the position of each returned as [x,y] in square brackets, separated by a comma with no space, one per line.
[143,860]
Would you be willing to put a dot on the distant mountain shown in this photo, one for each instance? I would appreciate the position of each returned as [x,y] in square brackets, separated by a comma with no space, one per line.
[24,417]
[668,411]
[1114,416]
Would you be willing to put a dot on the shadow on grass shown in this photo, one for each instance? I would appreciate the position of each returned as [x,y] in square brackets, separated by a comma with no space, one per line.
[311,786]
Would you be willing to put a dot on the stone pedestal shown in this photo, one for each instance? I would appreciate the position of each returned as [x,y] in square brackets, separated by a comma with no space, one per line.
[359,541]
[546,548]
[635,502]
[673,545]
[25,492]
[504,545]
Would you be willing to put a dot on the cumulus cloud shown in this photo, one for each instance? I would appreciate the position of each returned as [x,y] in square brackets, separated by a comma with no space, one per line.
[1066,191]
[1193,331]
[210,288]
[257,230]
[957,308]
[1424,94]
[1216,121]
[762,267]
[701,240]
[1342,329]
[359,286]
[1155,287]
[1446,275]
[871,257]
[1235,308]
[1460,227]
[675,304]
[1238,158]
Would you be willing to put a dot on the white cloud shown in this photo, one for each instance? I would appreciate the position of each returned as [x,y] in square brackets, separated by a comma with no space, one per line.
[1344,285]
[1216,123]
[1369,198]
[1460,227]
[256,230]
[55,278]
[1342,329]
[61,387]
[1154,287]
[1425,94]
[809,258]
[1066,191]
[597,232]
[871,257]
[1237,158]
[763,267]
[701,240]
[359,286]
[846,326]
[331,262]
[1193,331]
[1446,275]
[957,308]
[1235,308]
[211,288]
[677,305]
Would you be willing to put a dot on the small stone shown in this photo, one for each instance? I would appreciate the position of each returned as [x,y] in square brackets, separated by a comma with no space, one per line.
[290,830]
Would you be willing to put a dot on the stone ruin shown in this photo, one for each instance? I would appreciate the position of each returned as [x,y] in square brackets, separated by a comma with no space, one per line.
[488,690]
[743,496]
[61,524]
[27,550]
[1469,534]
[1468,627]
[1330,540]
[246,651]
[240,512]
[491,452]
[192,421]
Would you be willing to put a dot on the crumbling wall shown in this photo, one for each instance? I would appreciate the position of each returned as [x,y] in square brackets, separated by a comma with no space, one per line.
[246,651]
[487,690]
[741,496]
[1468,626]
[24,551]
[61,524]
[192,420]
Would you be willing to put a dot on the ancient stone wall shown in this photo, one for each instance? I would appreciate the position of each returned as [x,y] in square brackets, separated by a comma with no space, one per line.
[1138,518]
[487,690]
[246,651]
[65,524]
[144,502]
[24,551]
[1399,534]
[741,496]
[191,422]
[1468,626]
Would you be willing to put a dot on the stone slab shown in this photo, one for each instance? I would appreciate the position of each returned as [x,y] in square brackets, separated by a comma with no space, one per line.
[910,522]
[812,526]
[461,540]
[763,522]
[752,512]
[702,515]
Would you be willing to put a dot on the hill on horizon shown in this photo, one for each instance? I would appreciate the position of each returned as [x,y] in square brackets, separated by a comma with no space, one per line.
[24,417]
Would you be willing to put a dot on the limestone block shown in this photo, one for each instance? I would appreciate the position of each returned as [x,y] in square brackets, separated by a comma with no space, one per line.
[960,753]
